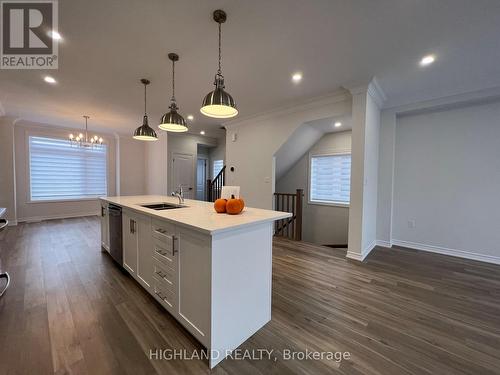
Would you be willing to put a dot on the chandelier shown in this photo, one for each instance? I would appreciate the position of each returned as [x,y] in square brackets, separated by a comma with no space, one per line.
[83,140]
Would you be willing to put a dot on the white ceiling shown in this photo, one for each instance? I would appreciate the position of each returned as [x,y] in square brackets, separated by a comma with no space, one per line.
[110,44]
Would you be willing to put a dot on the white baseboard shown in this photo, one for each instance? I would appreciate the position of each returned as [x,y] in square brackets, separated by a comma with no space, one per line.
[12,223]
[53,217]
[364,253]
[448,251]
[384,243]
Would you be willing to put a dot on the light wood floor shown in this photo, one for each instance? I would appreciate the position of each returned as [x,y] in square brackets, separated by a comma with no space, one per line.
[71,310]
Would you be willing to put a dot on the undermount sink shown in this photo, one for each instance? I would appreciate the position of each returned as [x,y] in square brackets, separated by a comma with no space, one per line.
[161,206]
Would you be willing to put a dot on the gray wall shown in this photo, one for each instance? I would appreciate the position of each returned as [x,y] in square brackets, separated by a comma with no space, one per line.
[447,180]
[321,224]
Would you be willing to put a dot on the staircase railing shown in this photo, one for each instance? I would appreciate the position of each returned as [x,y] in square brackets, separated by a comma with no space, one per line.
[214,187]
[292,226]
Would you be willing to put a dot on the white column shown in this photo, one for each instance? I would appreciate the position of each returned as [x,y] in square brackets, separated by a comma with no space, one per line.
[366,103]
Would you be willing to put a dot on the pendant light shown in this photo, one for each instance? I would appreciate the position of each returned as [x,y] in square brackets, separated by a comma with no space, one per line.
[218,103]
[173,121]
[145,132]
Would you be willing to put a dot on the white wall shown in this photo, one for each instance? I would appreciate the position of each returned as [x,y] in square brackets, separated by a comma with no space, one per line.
[259,138]
[367,101]
[7,175]
[132,156]
[156,165]
[217,153]
[447,179]
[321,224]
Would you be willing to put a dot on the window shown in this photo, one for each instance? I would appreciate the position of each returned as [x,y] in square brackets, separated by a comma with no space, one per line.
[218,165]
[59,171]
[330,179]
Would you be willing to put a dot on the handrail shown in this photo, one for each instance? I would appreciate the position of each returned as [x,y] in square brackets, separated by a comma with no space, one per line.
[289,202]
[214,187]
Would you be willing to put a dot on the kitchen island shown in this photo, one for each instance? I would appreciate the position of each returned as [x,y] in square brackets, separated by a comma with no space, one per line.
[212,272]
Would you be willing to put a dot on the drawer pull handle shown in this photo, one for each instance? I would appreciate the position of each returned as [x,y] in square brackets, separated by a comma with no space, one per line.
[160,230]
[163,276]
[162,253]
[161,296]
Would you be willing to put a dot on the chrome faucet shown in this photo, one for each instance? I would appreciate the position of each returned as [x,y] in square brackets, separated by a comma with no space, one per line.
[179,194]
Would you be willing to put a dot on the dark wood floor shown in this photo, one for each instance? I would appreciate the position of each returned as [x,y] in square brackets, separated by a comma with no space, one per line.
[71,310]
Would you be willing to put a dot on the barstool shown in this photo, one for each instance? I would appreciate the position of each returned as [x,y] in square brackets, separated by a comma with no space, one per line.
[4,275]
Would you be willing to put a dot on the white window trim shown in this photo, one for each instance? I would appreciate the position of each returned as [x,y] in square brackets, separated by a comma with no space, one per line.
[324,153]
[33,133]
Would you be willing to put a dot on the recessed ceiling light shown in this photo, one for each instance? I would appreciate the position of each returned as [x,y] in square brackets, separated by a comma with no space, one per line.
[55,35]
[427,60]
[190,117]
[297,77]
[202,132]
[338,124]
[49,79]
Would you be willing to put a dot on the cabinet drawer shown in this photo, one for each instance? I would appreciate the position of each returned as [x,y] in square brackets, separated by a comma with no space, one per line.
[164,252]
[162,230]
[165,275]
[164,296]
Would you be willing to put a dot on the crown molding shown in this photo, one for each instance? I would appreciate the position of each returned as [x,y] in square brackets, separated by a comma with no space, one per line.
[304,105]
[372,88]
[470,97]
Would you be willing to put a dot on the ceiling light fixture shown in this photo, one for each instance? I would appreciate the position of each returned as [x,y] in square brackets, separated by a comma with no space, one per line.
[83,140]
[55,35]
[145,132]
[173,121]
[202,132]
[427,60]
[338,124]
[190,117]
[49,79]
[297,77]
[218,103]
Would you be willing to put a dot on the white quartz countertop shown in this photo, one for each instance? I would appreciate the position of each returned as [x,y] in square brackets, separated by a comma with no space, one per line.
[197,214]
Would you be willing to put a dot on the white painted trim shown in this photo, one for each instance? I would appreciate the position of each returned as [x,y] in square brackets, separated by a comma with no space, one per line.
[361,257]
[470,96]
[53,217]
[12,223]
[448,251]
[384,243]
[335,97]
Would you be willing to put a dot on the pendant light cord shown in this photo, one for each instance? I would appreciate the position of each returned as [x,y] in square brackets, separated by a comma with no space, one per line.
[219,71]
[145,109]
[173,82]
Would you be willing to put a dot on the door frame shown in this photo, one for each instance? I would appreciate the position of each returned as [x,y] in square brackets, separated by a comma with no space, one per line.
[207,162]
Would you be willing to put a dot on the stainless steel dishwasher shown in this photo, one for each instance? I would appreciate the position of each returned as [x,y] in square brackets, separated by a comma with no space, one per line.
[115,233]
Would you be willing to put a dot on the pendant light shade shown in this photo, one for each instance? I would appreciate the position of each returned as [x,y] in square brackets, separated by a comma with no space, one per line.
[145,132]
[218,103]
[172,121]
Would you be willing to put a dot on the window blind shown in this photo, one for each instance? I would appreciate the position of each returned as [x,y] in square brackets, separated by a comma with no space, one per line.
[60,171]
[331,178]
[218,165]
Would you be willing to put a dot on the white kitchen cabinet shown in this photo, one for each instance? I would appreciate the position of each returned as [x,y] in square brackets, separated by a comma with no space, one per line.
[104,226]
[144,270]
[194,283]
[130,245]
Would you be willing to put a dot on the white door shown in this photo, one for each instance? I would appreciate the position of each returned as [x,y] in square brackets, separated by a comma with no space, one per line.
[183,174]
[201,179]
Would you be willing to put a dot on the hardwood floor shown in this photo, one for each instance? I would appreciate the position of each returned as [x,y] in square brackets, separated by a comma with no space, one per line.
[70,309]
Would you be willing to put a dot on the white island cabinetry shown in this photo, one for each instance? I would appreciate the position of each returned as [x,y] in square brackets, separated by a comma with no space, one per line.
[212,272]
